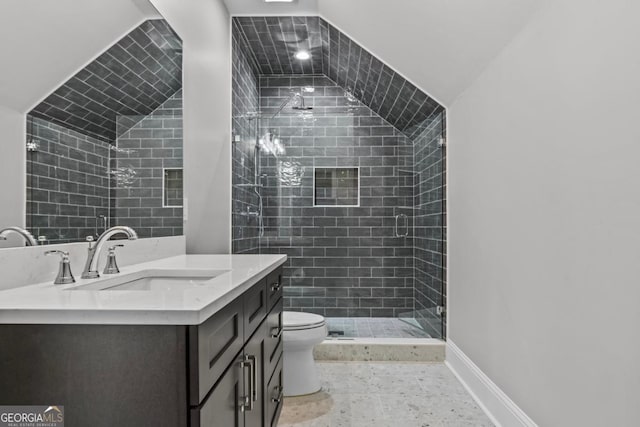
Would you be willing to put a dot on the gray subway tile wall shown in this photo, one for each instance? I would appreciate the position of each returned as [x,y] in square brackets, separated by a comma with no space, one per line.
[343,261]
[132,78]
[245,112]
[274,40]
[139,160]
[67,183]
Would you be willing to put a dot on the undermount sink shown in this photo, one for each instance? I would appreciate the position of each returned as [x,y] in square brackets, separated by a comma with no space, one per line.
[153,280]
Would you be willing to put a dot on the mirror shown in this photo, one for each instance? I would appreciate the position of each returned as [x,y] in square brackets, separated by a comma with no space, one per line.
[105,148]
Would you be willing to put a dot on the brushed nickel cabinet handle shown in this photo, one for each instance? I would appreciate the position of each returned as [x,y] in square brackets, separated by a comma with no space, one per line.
[278,389]
[276,332]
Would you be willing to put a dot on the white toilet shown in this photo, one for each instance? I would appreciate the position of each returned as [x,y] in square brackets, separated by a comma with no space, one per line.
[301,331]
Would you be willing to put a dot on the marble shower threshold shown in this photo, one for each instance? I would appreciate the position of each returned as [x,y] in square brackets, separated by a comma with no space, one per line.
[381,350]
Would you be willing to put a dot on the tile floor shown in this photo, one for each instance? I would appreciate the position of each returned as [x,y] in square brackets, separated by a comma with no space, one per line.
[373,327]
[359,394]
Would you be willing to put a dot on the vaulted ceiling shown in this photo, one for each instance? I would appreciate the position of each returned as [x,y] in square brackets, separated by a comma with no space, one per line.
[275,40]
[440,46]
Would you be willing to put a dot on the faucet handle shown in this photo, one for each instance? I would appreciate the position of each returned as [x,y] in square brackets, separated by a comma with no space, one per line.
[64,255]
[65,276]
[112,265]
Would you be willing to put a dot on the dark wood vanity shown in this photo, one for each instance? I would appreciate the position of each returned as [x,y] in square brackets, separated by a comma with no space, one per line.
[224,372]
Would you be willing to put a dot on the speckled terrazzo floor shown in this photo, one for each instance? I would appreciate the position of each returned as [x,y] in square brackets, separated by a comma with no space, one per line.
[373,327]
[384,395]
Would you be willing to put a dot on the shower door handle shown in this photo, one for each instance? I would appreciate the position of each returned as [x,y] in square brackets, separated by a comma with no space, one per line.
[406,225]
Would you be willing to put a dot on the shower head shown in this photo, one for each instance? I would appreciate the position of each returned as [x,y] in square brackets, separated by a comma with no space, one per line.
[297,103]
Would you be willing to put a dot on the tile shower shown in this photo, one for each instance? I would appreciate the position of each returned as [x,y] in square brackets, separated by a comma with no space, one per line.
[348,180]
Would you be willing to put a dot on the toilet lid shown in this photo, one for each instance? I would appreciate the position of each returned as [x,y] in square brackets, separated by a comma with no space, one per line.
[294,320]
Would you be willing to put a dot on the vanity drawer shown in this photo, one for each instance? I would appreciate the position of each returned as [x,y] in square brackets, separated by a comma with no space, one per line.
[213,346]
[274,397]
[274,287]
[274,341]
[221,407]
[255,307]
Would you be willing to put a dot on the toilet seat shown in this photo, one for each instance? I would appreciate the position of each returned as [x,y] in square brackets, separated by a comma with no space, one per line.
[297,321]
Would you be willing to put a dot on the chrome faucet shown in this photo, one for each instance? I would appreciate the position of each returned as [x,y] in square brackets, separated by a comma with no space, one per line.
[95,248]
[28,237]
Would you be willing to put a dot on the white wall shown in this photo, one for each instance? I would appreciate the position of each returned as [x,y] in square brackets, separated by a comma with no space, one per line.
[544,172]
[441,46]
[204,26]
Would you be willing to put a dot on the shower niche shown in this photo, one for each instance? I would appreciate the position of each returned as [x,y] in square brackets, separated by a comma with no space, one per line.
[336,187]
[338,163]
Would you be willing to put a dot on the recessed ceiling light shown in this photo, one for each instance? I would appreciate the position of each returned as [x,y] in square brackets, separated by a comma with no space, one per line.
[303,55]
[278,1]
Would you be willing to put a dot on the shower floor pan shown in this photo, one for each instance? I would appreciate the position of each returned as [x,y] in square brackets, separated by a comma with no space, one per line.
[373,327]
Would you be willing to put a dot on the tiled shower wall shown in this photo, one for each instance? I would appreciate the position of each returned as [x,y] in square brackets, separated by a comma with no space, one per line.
[140,157]
[430,224]
[343,261]
[245,108]
[67,183]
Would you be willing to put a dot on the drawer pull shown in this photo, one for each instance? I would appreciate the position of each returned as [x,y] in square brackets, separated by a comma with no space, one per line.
[278,389]
[248,400]
[275,287]
[276,333]
[254,380]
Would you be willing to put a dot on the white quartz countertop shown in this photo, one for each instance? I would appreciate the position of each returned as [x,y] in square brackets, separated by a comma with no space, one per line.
[46,303]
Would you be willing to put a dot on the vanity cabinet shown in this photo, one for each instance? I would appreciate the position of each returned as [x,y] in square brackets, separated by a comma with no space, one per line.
[232,387]
[224,372]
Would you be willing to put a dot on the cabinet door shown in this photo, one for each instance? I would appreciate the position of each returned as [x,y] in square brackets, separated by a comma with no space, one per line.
[274,341]
[274,397]
[254,352]
[223,407]
[255,307]
[213,345]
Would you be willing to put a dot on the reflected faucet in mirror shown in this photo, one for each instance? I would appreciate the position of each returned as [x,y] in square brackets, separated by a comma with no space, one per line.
[95,248]
[29,240]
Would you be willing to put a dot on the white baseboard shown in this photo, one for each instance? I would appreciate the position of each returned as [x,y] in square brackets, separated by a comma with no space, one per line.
[502,411]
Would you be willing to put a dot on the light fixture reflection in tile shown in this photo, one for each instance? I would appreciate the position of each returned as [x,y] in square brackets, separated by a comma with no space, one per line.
[271,144]
[290,173]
